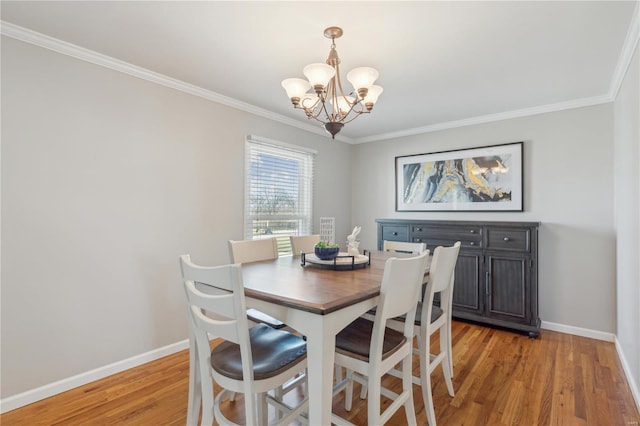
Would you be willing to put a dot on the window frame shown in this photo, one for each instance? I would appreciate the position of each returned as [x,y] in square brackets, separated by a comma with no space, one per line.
[306,156]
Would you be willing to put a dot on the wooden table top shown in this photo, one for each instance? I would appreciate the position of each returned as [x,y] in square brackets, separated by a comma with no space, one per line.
[313,288]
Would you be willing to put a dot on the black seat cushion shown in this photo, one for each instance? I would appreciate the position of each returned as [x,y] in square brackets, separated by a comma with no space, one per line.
[260,317]
[273,352]
[355,340]
[436,313]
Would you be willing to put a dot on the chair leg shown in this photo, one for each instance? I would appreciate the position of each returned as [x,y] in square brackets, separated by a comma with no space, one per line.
[348,394]
[445,342]
[407,386]
[263,409]
[363,392]
[447,367]
[279,394]
[195,390]
[207,403]
[373,403]
[425,377]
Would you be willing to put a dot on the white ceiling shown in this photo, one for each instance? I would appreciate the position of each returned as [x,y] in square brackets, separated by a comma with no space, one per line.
[441,63]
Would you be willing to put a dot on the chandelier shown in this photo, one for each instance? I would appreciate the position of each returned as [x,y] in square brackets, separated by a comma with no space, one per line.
[327,102]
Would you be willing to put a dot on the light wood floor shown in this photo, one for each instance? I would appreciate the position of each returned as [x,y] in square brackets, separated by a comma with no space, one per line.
[501,378]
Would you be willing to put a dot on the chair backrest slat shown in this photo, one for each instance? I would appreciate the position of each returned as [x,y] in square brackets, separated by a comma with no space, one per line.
[216,300]
[247,251]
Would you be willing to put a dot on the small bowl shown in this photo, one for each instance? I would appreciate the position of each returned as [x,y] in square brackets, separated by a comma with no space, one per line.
[327,253]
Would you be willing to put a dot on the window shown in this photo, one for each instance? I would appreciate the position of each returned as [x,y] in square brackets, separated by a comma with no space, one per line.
[278,191]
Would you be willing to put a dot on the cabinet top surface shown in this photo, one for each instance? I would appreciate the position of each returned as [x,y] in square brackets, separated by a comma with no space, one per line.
[457,222]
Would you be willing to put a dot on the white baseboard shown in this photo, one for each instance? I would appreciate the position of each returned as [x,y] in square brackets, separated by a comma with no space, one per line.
[633,385]
[578,331]
[31,396]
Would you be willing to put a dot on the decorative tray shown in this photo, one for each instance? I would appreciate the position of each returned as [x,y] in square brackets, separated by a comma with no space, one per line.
[342,262]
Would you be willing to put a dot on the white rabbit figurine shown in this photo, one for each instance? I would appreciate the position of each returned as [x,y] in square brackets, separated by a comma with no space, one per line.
[352,244]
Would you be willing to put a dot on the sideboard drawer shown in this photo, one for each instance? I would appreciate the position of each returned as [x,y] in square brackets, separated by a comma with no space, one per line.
[432,243]
[395,233]
[509,239]
[469,236]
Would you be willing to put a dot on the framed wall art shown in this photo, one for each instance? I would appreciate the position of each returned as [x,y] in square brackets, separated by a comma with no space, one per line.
[487,178]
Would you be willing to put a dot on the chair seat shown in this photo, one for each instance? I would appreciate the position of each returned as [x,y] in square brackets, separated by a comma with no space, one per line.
[274,351]
[260,317]
[436,313]
[355,340]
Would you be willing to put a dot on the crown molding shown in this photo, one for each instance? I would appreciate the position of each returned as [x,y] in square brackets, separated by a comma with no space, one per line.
[75,51]
[560,106]
[626,55]
[65,48]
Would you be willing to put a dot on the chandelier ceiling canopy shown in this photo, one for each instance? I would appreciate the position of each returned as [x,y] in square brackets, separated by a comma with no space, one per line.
[322,97]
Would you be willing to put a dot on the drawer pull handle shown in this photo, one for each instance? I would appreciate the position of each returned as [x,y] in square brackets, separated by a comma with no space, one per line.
[506,238]
[418,240]
[418,229]
[472,243]
[473,231]
[395,233]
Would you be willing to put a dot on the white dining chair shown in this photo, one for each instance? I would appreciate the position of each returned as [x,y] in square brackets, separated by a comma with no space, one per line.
[251,361]
[370,349]
[429,319]
[246,251]
[398,247]
[303,243]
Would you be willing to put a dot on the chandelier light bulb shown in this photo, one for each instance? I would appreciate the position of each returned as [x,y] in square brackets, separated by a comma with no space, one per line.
[344,104]
[296,88]
[362,78]
[372,96]
[319,75]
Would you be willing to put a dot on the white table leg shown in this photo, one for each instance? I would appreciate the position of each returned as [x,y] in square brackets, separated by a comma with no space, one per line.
[320,331]
[321,345]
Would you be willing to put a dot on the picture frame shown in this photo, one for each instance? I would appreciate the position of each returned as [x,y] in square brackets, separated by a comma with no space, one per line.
[487,178]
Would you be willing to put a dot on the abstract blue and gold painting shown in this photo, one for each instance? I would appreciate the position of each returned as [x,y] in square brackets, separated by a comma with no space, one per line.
[478,179]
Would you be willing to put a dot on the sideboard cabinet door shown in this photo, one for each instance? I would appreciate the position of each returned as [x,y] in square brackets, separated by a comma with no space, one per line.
[468,288]
[508,288]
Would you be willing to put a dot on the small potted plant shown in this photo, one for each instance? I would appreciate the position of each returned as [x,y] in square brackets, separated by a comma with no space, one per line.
[326,251]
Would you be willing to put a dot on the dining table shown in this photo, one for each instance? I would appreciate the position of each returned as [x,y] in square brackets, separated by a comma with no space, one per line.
[317,301]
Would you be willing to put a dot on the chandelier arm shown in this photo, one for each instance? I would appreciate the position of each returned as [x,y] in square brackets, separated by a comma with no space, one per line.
[311,107]
[357,114]
[332,98]
[342,94]
[325,100]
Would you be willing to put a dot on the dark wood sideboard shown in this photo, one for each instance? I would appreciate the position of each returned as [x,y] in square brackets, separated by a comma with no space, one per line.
[496,279]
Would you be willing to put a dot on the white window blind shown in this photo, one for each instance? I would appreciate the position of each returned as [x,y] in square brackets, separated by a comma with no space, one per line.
[278,191]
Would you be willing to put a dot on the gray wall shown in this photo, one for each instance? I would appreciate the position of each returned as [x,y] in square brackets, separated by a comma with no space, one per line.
[568,187]
[627,215]
[106,180]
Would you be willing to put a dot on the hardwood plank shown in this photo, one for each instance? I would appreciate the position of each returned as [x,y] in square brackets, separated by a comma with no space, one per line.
[500,378]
